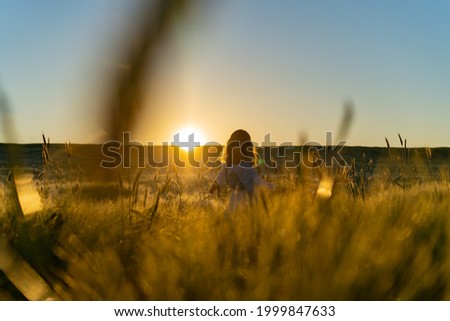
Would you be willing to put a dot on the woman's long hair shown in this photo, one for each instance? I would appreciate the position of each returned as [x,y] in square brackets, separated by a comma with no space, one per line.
[239,149]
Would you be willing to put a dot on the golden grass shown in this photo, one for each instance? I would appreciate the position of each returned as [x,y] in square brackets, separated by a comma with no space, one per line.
[288,245]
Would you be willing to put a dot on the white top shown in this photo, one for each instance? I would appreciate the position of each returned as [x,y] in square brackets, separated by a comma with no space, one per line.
[243,179]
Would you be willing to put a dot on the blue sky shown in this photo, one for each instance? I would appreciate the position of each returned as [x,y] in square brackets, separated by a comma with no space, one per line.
[283,67]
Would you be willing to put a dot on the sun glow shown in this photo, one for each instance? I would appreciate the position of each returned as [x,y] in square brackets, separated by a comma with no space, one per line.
[188,137]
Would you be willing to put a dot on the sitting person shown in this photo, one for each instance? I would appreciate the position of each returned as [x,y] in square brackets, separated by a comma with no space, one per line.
[238,171]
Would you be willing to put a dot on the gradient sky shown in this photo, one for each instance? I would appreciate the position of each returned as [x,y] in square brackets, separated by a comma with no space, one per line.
[284,67]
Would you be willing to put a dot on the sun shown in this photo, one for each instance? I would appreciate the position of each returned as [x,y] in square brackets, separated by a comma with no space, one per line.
[187,138]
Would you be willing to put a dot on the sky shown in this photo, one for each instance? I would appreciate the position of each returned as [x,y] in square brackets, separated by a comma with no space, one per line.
[284,67]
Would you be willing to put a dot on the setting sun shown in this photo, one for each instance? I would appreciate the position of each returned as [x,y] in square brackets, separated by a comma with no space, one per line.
[188,137]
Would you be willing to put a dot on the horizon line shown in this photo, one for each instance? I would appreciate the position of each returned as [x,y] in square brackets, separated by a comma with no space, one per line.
[222,145]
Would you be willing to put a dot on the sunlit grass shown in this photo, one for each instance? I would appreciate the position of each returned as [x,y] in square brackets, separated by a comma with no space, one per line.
[164,237]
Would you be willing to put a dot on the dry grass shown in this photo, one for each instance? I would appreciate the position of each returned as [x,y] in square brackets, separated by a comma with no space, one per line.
[163,237]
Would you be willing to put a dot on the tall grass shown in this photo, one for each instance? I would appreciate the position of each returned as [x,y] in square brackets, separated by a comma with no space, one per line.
[391,246]
[172,244]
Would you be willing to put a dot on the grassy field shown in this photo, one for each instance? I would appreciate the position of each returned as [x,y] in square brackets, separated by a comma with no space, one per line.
[383,234]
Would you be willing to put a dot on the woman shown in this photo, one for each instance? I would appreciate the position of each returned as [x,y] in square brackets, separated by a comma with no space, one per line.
[238,171]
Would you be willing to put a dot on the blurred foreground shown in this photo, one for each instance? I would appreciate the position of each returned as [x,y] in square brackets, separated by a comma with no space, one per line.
[377,233]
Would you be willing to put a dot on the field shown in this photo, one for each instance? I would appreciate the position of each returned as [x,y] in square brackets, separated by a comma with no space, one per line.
[375,229]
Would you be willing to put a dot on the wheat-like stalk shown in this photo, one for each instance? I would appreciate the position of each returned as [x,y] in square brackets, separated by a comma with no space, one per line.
[400,138]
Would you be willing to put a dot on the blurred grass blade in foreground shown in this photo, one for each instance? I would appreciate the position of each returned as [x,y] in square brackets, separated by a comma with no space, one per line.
[29,198]
[325,187]
[124,101]
[346,122]
[22,275]
[326,184]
